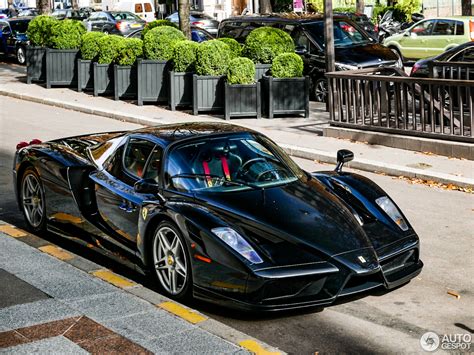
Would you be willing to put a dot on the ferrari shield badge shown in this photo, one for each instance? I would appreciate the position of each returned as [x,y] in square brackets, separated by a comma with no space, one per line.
[144,212]
[362,259]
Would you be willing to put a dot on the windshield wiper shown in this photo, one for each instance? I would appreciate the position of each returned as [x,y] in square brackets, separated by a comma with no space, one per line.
[219,178]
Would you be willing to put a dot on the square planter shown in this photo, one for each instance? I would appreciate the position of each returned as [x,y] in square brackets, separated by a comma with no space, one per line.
[180,90]
[85,76]
[285,96]
[261,70]
[242,100]
[35,64]
[208,93]
[152,81]
[61,67]
[125,82]
[103,79]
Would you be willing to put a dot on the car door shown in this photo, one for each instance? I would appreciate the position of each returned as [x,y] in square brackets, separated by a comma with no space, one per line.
[93,22]
[442,36]
[117,201]
[413,43]
[313,57]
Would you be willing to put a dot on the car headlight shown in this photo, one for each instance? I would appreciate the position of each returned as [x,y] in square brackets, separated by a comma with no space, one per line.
[392,211]
[238,243]
[341,66]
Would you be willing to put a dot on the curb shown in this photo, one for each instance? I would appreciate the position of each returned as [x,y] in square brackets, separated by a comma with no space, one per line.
[192,316]
[300,152]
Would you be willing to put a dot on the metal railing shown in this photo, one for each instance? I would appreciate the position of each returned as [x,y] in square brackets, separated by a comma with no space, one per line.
[387,100]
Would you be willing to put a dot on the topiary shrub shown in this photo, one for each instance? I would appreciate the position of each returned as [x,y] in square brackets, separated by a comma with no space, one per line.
[287,65]
[265,43]
[241,71]
[66,34]
[129,51]
[150,25]
[39,30]
[234,46]
[184,56]
[90,46]
[109,47]
[212,58]
[159,42]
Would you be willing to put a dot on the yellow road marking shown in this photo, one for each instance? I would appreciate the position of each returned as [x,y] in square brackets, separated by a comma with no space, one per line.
[12,231]
[56,252]
[113,278]
[255,347]
[182,312]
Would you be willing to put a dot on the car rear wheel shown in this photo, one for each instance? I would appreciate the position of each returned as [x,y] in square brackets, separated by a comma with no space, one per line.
[21,55]
[171,261]
[32,200]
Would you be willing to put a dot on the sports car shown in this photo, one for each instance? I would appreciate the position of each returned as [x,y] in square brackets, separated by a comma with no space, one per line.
[218,212]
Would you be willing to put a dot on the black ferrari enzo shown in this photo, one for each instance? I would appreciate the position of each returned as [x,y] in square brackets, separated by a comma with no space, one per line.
[219,212]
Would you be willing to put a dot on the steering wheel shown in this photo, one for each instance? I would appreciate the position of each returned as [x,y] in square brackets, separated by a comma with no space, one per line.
[243,170]
[263,173]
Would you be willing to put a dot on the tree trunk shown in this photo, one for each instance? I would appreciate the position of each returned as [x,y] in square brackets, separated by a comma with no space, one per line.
[360,6]
[265,6]
[75,5]
[43,7]
[466,7]
[183,10]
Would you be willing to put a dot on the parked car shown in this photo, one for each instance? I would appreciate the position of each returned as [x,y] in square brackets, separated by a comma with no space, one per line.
[114,22]
[28,13]
[79,15]
[4,13]
[13,38]
[218,212]
[431,37]
[461,53]
[142,8]
[197,34]
[199,19]
[354,48]
[362,20]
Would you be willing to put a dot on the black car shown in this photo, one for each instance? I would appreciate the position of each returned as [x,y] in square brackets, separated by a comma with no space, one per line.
[363,21]
[79,15]
[462,53]
[13,38]
[354,48]
[114,22]
[218,212]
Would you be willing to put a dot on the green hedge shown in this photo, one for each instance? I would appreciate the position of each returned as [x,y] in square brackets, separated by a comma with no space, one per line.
[89,45]
[212,58]
[66,34]
[150,25]
[159,42]
[129,51]
[287,65]
[265,43]
[241,71]
[39,30]
[109,47]
[234,46]
[184,56]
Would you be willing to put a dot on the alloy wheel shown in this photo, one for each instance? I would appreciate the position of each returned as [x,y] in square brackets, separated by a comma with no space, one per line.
[320,90]
[169,260]
[32,200]
[20,55]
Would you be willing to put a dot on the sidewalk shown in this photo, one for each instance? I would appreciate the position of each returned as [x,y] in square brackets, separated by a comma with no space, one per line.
[52,301]
[301,137]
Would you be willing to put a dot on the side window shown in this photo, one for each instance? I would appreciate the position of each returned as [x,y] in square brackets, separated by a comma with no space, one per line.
[469,55]
[136,156]
[138,8]
[153,168]
[444,28]
[423,29]
[459,28]
[94,17]
[113,165]
[148,7]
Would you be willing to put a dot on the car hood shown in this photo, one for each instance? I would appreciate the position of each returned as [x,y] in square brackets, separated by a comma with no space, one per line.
[365,55]
[305,214]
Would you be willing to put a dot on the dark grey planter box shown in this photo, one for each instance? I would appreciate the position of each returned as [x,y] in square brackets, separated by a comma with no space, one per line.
[125,82]
[35,64]
[242,100]
[85,76]
[208,93]
[152,81]
[61,67]
[180,90]
[103,79]
[261,70]
[285,96]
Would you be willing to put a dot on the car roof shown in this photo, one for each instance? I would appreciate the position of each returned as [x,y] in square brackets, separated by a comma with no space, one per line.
[170,133]
[288,18]
[18,19]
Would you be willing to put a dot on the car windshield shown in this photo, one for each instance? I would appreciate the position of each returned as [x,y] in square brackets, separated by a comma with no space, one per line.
[345,34]
[20,26]
[228,164]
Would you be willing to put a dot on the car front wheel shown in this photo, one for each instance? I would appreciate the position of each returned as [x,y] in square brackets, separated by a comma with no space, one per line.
[32,200]
[171,261]
[21,55]
[320,90]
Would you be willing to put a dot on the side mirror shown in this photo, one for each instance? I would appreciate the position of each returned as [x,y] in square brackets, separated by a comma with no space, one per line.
[407,34]
[343,156]
[301,50]
[146,186]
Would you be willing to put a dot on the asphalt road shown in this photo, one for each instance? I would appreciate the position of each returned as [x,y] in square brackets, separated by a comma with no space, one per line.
[378,322]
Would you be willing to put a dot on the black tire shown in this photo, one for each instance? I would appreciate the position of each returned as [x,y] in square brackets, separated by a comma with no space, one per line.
[32,200]
[397,52]
[21,55]
[320,89]
[166,265]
